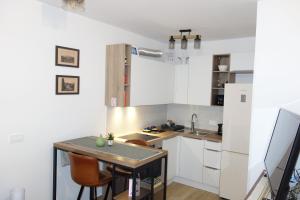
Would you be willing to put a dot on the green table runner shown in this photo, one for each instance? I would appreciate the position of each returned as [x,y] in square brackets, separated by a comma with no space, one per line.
[119,149]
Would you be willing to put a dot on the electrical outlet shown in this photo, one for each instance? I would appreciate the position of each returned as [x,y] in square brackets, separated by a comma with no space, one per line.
[213,122]
[16,138]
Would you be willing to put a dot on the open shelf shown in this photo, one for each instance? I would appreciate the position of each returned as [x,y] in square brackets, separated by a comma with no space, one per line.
[118,75]
[220,78]
[221,71]
[242,72]
[124,195]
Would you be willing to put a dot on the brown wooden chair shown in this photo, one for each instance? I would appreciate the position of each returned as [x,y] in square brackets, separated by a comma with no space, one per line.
[85,172]
[119,171]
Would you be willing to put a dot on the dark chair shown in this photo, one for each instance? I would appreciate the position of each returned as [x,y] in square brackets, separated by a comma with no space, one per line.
[119,171]
[85,172]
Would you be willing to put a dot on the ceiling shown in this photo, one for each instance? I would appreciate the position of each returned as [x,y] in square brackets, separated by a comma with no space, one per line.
[158,19]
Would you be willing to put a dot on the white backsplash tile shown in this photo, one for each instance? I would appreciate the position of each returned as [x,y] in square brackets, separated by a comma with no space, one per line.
[133,119]
[181,114]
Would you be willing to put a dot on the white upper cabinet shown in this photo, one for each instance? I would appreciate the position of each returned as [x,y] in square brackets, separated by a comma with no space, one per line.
[200,75]
[181,81]
[241,61]
[151,81]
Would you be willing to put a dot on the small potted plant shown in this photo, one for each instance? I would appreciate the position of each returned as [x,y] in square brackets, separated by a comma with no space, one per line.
[110,139]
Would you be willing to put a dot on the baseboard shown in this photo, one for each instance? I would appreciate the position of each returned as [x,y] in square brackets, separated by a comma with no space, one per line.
[195,184]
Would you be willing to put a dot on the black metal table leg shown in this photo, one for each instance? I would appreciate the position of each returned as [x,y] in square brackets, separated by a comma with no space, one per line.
[133,185]
[113,184]
[54,173]
[165,177]
[152,188]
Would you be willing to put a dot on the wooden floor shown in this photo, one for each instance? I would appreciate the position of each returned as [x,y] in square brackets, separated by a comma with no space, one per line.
[177,191]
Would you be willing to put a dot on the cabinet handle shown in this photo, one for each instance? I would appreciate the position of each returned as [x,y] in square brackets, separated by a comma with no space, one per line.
[211,168]
[212,150]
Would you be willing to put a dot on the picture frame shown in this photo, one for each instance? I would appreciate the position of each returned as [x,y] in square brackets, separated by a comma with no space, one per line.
[67,85]
[67,57]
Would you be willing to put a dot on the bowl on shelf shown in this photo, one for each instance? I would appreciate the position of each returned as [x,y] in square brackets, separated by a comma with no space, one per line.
[223,68]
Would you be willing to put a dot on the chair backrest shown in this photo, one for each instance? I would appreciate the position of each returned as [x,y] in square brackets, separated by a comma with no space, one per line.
[84,170]
[137,142]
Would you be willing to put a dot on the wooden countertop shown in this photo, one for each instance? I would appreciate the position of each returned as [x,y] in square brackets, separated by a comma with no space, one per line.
[211,136]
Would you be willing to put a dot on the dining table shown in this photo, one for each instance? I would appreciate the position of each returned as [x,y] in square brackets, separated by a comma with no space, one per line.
[134,158]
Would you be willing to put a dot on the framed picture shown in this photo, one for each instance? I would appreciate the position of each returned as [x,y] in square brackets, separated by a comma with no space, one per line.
[66,57]
[67,84]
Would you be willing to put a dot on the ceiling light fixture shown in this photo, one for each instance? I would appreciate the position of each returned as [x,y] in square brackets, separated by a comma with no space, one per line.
[172,43]
[184,42]
[185,35]
[77,5]
[197,42]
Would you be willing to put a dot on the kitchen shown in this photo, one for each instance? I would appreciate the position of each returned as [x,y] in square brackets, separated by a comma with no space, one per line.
[187,98]
[197,83]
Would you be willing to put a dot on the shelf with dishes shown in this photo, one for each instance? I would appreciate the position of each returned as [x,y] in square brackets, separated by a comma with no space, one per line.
[220,76]
[118,75]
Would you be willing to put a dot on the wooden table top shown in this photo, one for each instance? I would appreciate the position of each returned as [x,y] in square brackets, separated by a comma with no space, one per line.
[101,154]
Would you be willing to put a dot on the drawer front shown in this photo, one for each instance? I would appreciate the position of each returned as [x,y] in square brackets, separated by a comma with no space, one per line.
[217,146]
[212,158]
[211,177]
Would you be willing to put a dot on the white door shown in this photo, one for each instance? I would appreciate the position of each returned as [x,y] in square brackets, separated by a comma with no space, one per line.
[200,75]
[237,117]
[233,180]
[191,159]
[151,82]
[181,84]
[171,145]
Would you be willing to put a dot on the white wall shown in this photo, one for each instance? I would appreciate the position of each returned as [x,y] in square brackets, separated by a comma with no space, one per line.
[276,78]
[28,104]
[122,121]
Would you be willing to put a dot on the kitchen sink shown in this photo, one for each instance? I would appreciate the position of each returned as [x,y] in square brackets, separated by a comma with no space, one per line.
[139,136]
[199,133]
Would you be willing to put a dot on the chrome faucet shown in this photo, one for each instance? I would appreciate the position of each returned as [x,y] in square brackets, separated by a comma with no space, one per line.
[194,116]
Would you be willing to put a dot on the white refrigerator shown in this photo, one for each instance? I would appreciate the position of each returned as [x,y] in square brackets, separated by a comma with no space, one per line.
[235,141]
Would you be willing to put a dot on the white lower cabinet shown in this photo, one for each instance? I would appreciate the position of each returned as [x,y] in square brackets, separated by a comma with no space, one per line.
[191,159]
[212,158]
[212,164]
[194,162]
[211,176]
[171,145]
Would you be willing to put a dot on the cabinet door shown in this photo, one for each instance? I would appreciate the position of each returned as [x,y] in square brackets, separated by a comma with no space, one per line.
[234,172]
[171,145]
[211,177]
[191,159]
[181,84]
[241,61]
[212,158]
[151,82]
[200,76]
